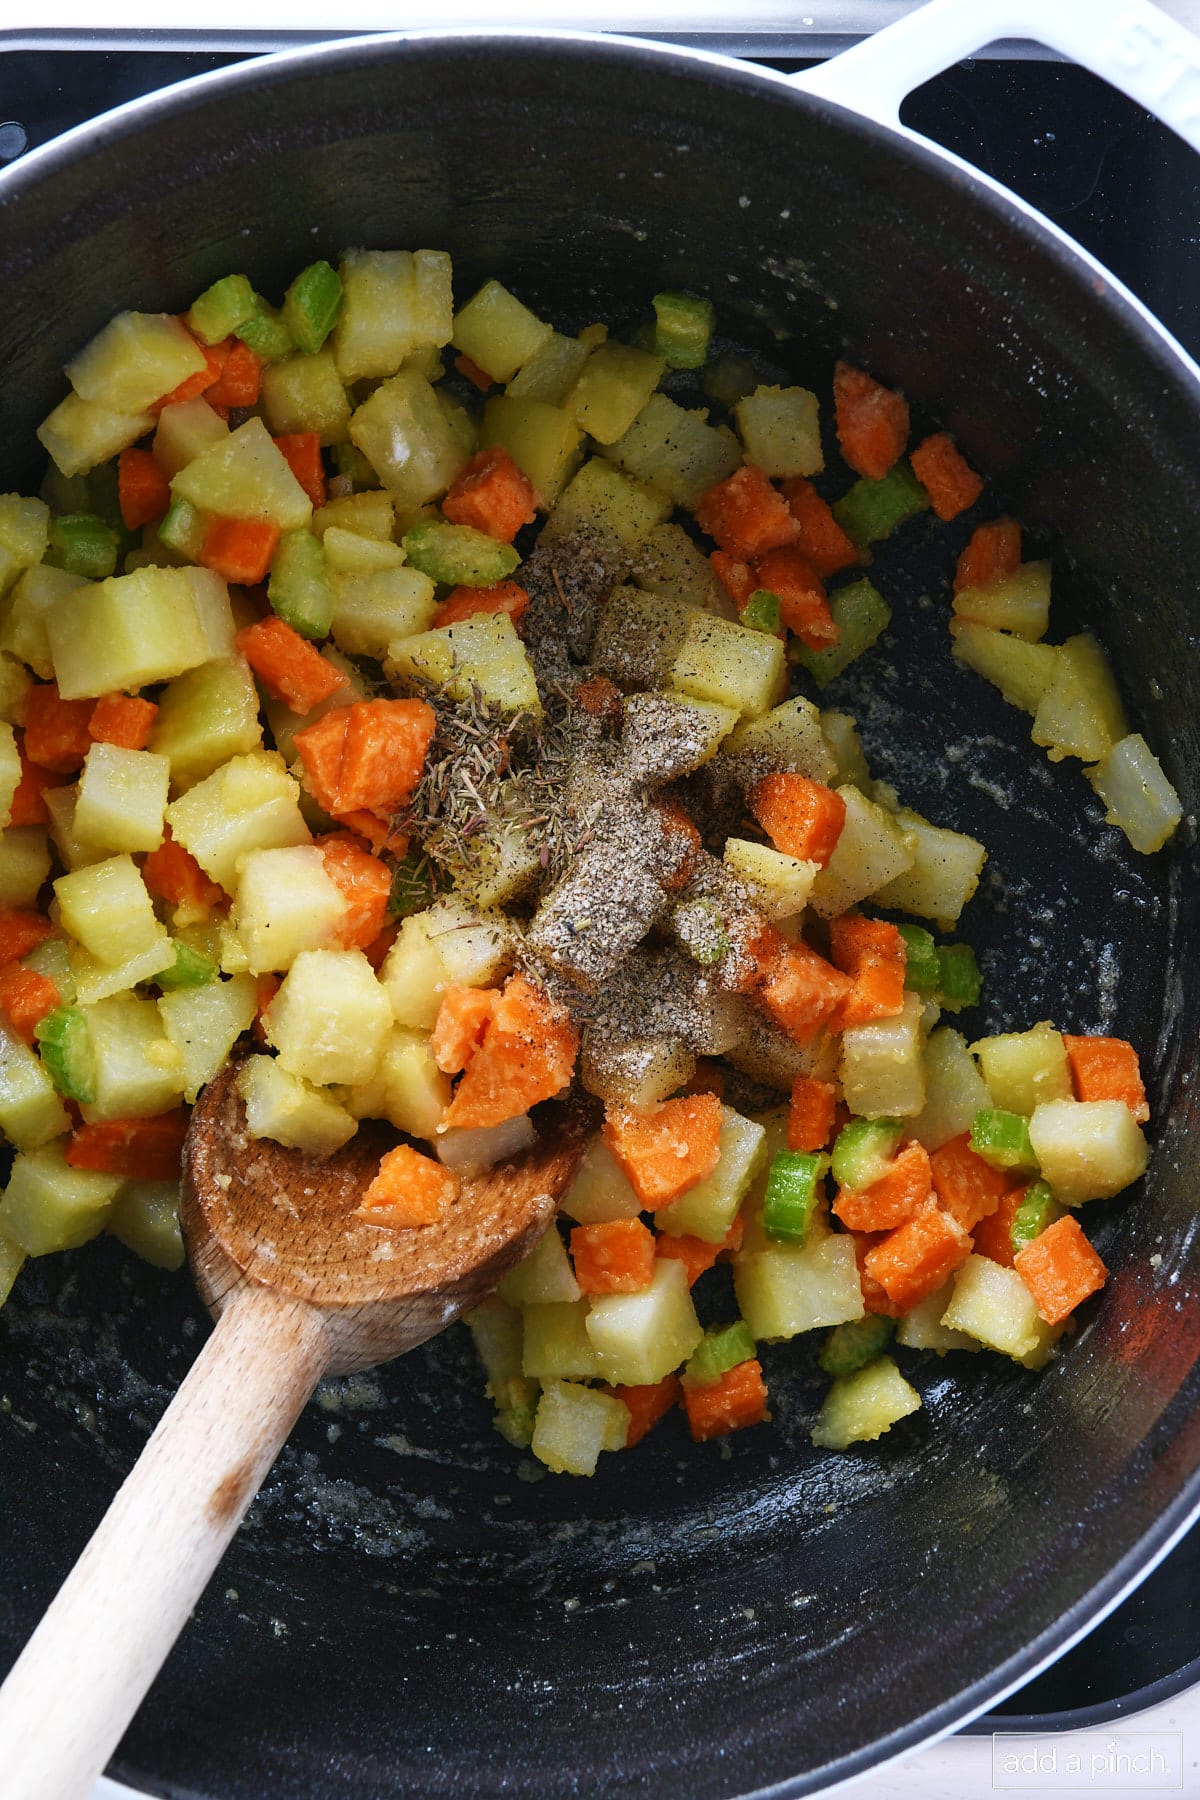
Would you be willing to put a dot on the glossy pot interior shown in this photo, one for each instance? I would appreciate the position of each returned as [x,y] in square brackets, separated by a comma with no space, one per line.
[409,1611]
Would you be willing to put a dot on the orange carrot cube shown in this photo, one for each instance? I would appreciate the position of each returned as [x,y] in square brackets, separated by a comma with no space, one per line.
[616,1257]
[746,515]
[993,1233]
[872,953]
[123,719]
[139,1149]
[25,998]
[463,1017]
[21,930]
[1104,1068]
[872,421]
[1060,1268]
[822,542]
[467,602]
[811,1113]
[668,1149]
[647,1405]
[293,669]
[528,1054]
[946,476]
[913,1261]
[409,1190]
[736,1400]
[365,885]
[803,607]
[801,817]
[56,730]
[301,451]
[965,1184]
[801,991]
[993,551]
[898,1196]
[240,549]
[492,494]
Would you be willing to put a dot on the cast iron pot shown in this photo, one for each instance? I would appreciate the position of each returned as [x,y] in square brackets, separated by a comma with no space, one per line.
[407,1611]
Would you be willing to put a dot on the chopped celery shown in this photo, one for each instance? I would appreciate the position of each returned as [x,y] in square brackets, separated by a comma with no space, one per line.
[1036,1211]
[221,309]
[1002,1139]
[458,553]
[792,1192]
[683,325]
[66,1047]
[861,614]
[83,544]
[413,887]
[721,1348]
[857,1342]
[922,964]
[874,509]
[183,528]
[762,611]
[299,588]
[515,1419]
[190,969]
[265,333]
[960,982]
[311,305]
[863,1149]
[701,929]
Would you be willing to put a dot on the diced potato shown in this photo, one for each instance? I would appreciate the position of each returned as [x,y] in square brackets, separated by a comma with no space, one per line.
[636,1073]
[350,552]
[371,514]
[613,387]
[371,610]
[80,434]
[1018,603]
[1022,671]
[139,1072]
[600,1191]
[638,636]
[49,1206]
[249,803]
[406,1086]
[1024,1068]
[209,593]
[286,902]
[542,439]
[665,735]
[954,1090]
[766,1053]
[993,1304]
[12,1261]
[781,884]
[708,1209]
[1080,713]
[732,664]
[471,1150]
[496,1329]
[483,652]
[872,850]
[601,498]
[883,1067]
[108,909]
[573,1424]
[96,980]
[187,427]
[24,864]
[135,359]
[74,852]
[944,872]
[376,327]
[10,770]
[204,1023]
[1139,798]
[1087,1149]
[407,439]
[305,393]
[25,611]
[781,430]
[330,1019]
[921,1327]
[639,1338]
[205,717]
[668,562]
[860,1407]
[552,371]
[24,535]
[674,450]
[504,863]
[498,332]
[245,476]
[118,635]
[544,1276]
[31,1113]
[788,739]
[783,1291]
[145,1217]
[556,1343]
[414,974]
[15,683]
[291,1111]
[122,797]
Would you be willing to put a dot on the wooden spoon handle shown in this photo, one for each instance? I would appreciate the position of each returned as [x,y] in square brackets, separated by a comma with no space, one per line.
[89,1664]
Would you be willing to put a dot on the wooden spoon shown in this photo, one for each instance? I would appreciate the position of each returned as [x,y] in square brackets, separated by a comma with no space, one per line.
[301,1289]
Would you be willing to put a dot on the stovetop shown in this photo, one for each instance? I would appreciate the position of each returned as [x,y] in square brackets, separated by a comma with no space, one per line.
[1129,191]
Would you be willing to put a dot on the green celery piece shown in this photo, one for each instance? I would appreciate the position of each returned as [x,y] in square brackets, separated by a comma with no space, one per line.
[861,614]
[191,968]
[701,929]
[66,1046]
[863,1149]
[1002,1139]
[458,553]
[265,332]
[1035,1212]
[221,309]
[683,326]
[183,528]
[721,1348]
[349,461]
[299,588]
[792,1192]
[852,1345]
[922,965]
[52,959]
[413,886]
[960,982]
[762,611]
[516,1404]
[874,509]
[84,545]
[311,305]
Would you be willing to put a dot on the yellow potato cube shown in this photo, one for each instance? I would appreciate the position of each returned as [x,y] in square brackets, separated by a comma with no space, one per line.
[545,1275]
[1087,1149]
[291,1111]
[204,1023]
[639,1338]
[330,1019]
[285,903]
[50,1206]
[573,1424]
[245,476]
[108,909]
[781,430]
[122,798]
[861,1406]
[783,1291]
[731,664]
[139,1072]
[136,358]
[249,803]
[1024,1068]
[883,1068]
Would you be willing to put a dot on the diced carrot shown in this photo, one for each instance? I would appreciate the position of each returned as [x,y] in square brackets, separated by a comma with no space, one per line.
[463,1017]
[872,421]
[365,884]
[473,373]
[143,491]
[527,1055]
[821,542]
[1105,1068]
[737,1399]
[56,730]
[192,386]
[293,669]
[737,578]
[801,817]
[240,549]
[708,1077]
[872,953]
[993,551]
[174,875]
[913,1261]
[803,607]
[377,829]
[25,998]
[409,1190]
[682,843]
[802,992]
[696,1254]
[599,698]
[240,379]
[946,476]
[668,1149]
[28,806]
[301,451]
[265,989]
[123,719]
[319,747]
[898,1195]
[467,602]
[376,951]
[21,930]
[875,1299]
[491,493]
[383,754]
[746,515]
[139,1149]
[647,1405]
[967,1186]
[810,1116]
[616,1257]
[993,1234]
[1060,1268]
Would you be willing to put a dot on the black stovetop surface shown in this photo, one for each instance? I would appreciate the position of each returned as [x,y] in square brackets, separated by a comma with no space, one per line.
[1128,190]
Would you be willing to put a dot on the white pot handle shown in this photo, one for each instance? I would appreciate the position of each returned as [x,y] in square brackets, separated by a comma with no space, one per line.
[1130,43]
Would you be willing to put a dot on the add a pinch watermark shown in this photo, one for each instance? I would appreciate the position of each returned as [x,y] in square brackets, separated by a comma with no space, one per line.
[1087,1762]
